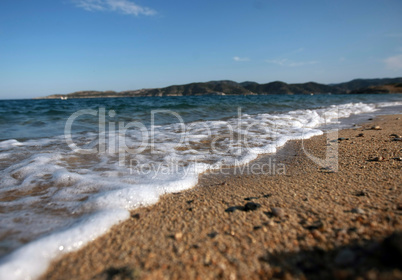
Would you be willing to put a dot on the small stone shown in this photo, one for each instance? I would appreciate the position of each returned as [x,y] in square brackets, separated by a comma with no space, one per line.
[278,212]
[251,198]
[345,257]
[380,158]
[178,235]
[342,138]
[397,139]
[232,209]
[317,225]
[212,234]
[251,206]
[358,211]
[361,193]
[360,135]
[135,216]
[376,127]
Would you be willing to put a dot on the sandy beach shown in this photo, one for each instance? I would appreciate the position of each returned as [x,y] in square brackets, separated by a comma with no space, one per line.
[294,220]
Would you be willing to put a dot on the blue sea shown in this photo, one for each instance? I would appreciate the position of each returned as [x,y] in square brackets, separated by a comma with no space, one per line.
[71,169]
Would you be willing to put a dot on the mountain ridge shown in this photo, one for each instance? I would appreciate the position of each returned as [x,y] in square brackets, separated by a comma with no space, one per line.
[228,87]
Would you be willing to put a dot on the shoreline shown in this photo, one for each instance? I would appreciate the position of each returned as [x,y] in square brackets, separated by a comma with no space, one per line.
[207,232]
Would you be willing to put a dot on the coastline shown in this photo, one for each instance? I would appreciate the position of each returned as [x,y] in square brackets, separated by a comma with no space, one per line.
[318,216]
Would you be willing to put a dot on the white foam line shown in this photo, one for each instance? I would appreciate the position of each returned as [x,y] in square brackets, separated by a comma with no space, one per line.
[32,260]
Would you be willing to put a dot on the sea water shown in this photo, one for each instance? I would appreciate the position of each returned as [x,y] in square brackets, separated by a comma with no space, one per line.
[71,169]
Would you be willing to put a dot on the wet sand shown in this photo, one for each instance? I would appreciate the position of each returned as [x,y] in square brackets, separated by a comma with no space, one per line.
[298,221]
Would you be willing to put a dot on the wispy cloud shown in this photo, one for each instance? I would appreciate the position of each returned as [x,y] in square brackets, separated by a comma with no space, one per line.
[394,62]
[289,63]
[120,6]
[237,58]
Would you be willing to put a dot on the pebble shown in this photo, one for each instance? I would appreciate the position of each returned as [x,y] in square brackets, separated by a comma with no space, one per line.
[135,216]
[212,234]
[397,139]
[380,158]
[358,211]
[345,257]
[376,127]
[251,198]
[360,135]
[251,206]
[361,193]
[278,212]
[178,235]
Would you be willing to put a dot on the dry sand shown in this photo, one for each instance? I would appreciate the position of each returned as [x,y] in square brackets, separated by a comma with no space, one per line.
[312,223]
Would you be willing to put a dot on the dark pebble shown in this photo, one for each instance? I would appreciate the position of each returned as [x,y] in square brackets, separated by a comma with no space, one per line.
[361,193]
[120,273]
[251,206]
[212,234]
[315,226]
[135,216]
[251,198]
[233,208]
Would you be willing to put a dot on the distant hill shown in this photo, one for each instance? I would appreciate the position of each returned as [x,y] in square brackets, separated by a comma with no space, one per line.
[391,88]
[226,87]
[365,83]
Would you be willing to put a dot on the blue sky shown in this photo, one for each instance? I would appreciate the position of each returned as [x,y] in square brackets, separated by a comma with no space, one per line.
[62,46]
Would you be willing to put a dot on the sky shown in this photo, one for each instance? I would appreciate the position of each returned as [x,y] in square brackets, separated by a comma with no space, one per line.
[62,46]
